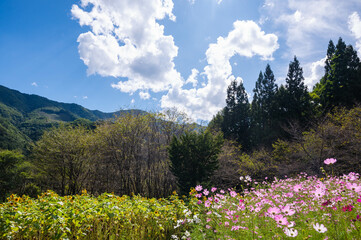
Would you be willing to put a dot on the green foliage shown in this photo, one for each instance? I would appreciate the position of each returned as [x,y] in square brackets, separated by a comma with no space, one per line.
[236,119]
[24,117]
[341,84]
[293,100]
[259,164]
[62,158]
[9,161]
[263,110]
[215,125]
[85,217]
[193,158]
[339,136]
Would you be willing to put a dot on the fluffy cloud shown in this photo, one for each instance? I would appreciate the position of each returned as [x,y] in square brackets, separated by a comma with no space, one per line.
[246,39]
[316,71]
[125,40]
[34,84]
[354,24]
[144,95]
[193,77]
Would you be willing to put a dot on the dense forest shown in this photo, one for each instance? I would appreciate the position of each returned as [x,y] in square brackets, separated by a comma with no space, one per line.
[284,130]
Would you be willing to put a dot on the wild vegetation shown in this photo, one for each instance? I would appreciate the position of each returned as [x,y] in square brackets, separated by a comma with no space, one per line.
[143,158]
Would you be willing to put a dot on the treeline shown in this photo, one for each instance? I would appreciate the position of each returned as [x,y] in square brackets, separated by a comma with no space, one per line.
[285,130]
[148,154]
[288,128]
[275,110]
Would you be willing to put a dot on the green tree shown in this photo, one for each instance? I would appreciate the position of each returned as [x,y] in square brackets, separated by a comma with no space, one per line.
[193,158]
[293,99]
[236,120]
[62,158]
[263,109]
[9,179]
[341,84]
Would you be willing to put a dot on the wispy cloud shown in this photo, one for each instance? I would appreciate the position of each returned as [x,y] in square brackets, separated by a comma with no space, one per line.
[307,22]
[34,84]
[354,24]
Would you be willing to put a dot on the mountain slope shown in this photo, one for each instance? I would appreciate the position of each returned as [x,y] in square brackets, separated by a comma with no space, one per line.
[24,117]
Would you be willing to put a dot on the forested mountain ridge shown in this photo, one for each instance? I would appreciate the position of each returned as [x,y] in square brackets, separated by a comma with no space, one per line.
[24,117]
[27,103]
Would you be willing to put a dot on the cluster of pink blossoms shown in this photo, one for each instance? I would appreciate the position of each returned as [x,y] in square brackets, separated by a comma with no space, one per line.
[281,203]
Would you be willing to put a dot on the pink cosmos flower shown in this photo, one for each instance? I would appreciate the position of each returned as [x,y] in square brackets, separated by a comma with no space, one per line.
[235,228]
[297,187]
[199,188]
[288,210]
[329,161]
[205,192]
[233,193]
[213,189]
[273,210]
[353,187]
[207,204]
[281,219]
[319,192]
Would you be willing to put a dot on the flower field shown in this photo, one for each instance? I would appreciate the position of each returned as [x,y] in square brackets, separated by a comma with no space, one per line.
[303,207]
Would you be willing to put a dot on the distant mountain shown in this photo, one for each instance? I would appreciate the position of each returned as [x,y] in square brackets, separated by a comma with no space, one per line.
[24,117]
[26,103]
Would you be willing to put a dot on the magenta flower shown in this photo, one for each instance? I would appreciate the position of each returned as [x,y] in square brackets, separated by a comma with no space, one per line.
[347,208]
[329,161]
[199,188]
[213,189]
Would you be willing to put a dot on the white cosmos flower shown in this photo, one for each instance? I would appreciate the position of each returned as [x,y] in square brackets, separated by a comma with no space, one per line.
[319,228]
[291,232]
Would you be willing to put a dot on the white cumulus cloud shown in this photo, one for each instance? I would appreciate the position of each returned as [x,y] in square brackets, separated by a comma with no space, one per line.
[246,39]
[354,24]
[125,40]
[316,71]
[144,95]
[34,84]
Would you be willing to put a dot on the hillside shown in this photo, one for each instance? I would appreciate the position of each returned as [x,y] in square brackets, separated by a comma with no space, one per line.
[24,117]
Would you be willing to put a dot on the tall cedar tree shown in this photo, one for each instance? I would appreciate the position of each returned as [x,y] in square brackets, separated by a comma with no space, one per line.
[194,158]
[264,110]
[236,120]
[341,84]
[293,99]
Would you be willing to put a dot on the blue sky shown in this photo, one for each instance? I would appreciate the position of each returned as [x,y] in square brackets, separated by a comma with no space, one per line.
[155,54]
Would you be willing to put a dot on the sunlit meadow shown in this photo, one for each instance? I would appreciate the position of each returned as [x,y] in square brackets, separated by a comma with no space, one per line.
[302,207]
